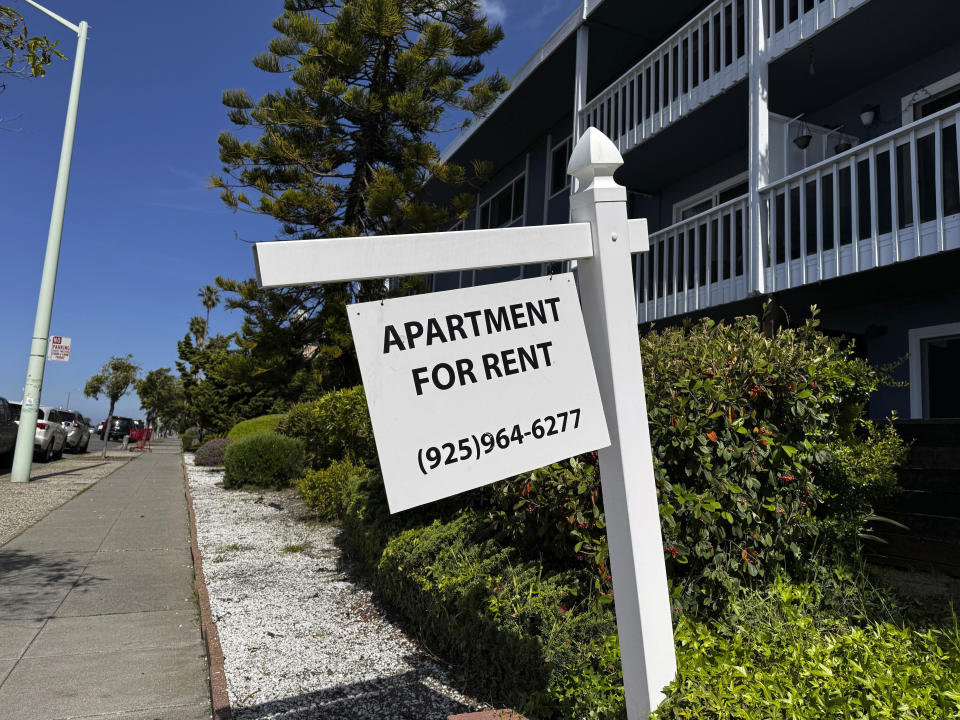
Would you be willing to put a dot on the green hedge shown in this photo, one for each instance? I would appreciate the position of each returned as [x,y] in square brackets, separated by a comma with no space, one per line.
[265,460]
[262,424]
[483,605]
[326,491]
[335,427]
[190,441]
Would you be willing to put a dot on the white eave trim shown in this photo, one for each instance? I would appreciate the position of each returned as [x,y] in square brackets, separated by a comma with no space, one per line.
[568,28]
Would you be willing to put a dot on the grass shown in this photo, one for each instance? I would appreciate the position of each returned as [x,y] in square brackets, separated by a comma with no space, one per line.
[296,547]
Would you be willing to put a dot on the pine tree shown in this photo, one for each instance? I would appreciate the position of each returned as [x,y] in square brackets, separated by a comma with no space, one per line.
[347,150]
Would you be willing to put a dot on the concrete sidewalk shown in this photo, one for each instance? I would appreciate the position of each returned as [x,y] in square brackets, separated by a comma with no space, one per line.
[97,612]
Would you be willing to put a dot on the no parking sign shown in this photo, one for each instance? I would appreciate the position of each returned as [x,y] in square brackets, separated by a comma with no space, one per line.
[59,349]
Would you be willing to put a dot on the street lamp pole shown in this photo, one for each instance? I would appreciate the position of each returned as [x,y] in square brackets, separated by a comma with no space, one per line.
[23,454]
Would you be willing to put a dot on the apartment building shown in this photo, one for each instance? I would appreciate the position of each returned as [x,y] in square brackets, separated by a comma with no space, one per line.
[803,151]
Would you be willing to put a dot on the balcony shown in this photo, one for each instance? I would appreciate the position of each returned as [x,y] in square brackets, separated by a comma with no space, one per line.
[705,57]
[883,202]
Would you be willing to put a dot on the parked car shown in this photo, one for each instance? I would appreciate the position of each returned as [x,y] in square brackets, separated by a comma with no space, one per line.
[50,437]
[8,430]
[119,428]
[78,430]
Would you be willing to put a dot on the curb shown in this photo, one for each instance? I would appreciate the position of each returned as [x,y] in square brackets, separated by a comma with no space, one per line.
[219,697]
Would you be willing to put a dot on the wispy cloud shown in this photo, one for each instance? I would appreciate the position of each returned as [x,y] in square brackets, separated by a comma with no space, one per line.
[545,8]
[494,10]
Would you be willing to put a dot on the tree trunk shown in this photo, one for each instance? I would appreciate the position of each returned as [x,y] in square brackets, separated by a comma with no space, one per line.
[106,428]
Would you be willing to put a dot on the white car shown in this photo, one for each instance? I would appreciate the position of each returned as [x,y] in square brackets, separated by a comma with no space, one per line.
[50,437]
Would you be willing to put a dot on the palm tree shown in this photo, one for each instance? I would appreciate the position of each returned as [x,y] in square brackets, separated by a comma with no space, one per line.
[209,297]
[198,328]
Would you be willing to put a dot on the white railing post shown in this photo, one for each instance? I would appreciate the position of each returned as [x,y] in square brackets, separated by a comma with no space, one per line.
[580,87]
[759,160]
[626,467]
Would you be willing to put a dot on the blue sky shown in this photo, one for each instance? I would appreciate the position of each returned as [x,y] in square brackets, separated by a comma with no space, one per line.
[142,233]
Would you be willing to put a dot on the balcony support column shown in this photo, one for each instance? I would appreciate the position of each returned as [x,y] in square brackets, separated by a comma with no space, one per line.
[580,88]
[759,159]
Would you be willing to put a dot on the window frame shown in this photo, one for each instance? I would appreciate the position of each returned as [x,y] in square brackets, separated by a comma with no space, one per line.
[915,338]
[551,193]
[909,104]
[507,187]
[712,194]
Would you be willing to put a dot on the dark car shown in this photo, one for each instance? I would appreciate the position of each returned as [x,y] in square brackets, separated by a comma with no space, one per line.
[8,430]
[120,427]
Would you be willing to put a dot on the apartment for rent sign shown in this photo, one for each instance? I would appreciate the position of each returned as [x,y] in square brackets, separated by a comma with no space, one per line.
[471,386]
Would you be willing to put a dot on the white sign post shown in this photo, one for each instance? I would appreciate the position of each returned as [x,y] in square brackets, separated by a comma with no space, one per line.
[467,387]
[602,239]
[59,349]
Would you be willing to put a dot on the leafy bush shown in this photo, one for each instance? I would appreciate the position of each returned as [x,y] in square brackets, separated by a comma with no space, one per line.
[759,452]
[264,460]
[746,431]
[325,491]
[211,452]
[779,656]
[483,605]
[557,510]
[262,424]
[335,427]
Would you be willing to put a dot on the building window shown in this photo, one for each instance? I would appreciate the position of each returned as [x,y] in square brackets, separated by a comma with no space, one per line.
[934,354]
[930,99]
[504,208]
[559,158]
[717,195]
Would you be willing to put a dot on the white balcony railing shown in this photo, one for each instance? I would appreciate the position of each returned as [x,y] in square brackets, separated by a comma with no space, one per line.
[892,199]
[791,22]
[886,201]
[700,60]
[697,263]
[703,58]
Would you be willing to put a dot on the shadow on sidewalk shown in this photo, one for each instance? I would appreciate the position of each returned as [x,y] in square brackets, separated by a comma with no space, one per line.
[66,472]
[29,570]
[401,696]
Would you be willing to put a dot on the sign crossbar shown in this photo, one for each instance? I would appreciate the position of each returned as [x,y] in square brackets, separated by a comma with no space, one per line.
[309,262]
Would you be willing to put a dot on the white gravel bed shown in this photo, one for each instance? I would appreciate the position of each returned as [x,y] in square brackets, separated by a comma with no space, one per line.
[300,637]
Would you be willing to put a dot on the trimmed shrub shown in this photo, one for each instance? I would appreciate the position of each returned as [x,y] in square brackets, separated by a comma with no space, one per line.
[264,460]
[262,424]
[325,491]
[335,427]
[190,440]
[211,452]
